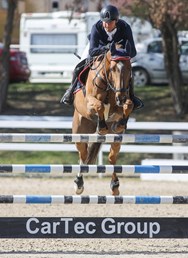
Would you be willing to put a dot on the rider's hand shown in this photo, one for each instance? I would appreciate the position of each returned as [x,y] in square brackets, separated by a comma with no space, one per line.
[107,47]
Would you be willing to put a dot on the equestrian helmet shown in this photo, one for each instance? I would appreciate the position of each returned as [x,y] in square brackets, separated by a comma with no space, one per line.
[109,13]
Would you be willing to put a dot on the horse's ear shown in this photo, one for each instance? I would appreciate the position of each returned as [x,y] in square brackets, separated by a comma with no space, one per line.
[112,48]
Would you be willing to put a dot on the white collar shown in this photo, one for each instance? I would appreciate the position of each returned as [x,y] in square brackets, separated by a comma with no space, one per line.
[111,33]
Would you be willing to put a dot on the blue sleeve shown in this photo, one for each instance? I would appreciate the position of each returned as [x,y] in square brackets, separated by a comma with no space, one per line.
[95,48]
[130,46]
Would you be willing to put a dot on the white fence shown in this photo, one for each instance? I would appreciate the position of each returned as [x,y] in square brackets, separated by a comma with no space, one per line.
[61,123]
[65,122]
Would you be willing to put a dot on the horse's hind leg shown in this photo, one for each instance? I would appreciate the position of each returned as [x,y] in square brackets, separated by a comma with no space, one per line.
[81,125]
[112,157]
[79,181]
[79,184]
[114,185]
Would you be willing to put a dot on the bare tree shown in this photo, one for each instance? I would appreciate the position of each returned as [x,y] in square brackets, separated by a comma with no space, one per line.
[76,6]
[169,17]
[82,5]
[4,62]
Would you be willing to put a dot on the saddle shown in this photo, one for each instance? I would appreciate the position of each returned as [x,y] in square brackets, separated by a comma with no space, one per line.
[82,70]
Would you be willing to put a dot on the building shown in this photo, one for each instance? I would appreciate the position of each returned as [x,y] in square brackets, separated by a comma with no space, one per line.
[35,6]
[59,5]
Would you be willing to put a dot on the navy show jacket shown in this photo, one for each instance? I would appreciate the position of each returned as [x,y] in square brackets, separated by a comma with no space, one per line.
[99,38]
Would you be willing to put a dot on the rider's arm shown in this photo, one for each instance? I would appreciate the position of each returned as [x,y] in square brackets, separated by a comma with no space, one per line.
[130,46]
[96,48]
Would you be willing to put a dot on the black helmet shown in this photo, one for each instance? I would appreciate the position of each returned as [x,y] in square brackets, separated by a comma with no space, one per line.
[109,13]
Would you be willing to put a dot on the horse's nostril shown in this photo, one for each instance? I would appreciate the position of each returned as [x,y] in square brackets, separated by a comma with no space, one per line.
[120,99]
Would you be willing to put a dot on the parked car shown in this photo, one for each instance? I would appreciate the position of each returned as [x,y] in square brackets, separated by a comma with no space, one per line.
[19,69]
[148,66]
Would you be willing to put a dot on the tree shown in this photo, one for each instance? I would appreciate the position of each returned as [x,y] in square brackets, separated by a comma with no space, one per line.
[76,6]
[4,61]
[169,17]
[82,5]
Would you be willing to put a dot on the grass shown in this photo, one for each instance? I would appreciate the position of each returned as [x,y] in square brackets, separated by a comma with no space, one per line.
[43,99]
[41,157]
[36,99]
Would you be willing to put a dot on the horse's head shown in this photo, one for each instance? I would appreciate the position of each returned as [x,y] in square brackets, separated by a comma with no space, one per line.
[119,74]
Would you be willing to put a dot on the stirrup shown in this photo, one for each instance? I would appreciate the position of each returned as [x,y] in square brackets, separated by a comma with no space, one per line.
[67,98]
[138,104]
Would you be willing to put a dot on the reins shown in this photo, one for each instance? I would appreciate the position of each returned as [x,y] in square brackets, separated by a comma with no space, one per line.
[98,71]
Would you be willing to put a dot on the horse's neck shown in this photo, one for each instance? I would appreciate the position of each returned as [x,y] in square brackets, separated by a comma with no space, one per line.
[108,60]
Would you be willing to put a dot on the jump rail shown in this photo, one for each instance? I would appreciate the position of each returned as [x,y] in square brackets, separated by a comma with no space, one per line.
[65,122]
[132,169]
[136,148]
[91,199]
[123,138]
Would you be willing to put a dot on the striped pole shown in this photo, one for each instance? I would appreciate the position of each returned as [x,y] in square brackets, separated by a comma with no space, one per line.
[122,138]
[132,169]
[91,199]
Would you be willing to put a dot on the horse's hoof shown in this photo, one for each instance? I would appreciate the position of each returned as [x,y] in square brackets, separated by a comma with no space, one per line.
[102,131]
[79,185]
[114,185]
[118,129]
[78,190]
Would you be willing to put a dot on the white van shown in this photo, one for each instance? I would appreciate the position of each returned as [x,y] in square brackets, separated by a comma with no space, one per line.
[52,41]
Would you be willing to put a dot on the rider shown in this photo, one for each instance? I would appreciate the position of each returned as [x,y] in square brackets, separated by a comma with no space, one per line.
[109,29]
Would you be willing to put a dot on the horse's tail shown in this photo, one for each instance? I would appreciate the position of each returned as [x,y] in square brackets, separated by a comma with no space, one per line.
[93,152]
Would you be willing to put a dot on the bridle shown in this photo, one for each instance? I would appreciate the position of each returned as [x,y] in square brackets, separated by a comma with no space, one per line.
[101,67]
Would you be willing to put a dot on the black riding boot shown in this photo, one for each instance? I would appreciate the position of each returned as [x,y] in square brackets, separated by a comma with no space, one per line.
[137,102]
[68,97]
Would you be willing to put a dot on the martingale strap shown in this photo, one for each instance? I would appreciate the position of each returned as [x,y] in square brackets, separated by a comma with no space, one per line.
[82,76]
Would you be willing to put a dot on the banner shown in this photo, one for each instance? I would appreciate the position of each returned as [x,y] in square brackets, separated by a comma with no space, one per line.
[88,227]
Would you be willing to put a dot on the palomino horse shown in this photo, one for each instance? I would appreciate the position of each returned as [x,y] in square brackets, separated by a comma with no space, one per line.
[104,108]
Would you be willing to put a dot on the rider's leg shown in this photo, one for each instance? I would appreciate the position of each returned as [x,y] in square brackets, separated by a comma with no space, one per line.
[137,102]
[68,97]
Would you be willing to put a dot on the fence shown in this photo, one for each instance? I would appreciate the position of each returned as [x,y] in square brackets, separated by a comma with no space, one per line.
[158,227]
[61,123]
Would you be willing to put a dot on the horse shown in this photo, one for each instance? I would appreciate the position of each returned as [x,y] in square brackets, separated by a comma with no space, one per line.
[103,107]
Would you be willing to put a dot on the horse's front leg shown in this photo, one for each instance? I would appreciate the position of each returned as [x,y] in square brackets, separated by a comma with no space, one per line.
[79,181]
[128,108]
[112,157]
[121,125]
[95,106]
